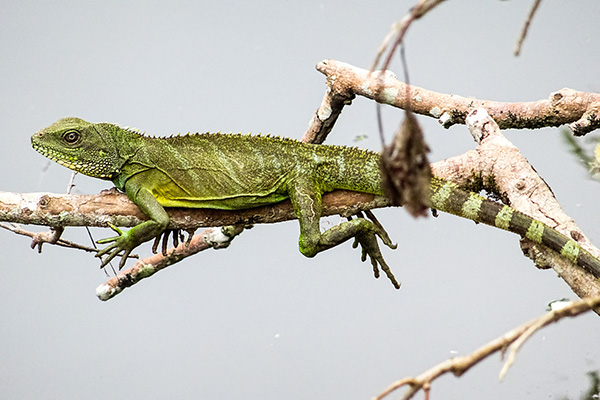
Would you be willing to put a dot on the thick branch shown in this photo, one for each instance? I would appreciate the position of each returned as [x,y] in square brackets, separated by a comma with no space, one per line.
[498,166]
[580,110]
[515,180]
[113,207]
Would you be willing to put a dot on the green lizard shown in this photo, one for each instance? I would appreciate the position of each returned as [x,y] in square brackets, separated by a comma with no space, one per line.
[233,171]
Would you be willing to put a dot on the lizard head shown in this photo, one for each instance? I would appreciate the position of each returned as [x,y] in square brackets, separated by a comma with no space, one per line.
[79,145]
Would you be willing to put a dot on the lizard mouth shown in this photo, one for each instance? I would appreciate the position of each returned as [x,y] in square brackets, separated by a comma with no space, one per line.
[71,162]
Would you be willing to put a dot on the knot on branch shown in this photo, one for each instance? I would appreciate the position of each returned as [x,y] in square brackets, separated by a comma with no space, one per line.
[568,102]
[589,121]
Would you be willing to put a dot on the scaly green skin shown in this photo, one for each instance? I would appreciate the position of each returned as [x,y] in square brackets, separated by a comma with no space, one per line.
[241,171]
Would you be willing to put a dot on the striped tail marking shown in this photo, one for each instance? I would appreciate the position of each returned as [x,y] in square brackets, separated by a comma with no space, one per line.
[446,196]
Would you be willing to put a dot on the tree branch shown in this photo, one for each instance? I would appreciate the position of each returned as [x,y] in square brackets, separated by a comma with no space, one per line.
[525,29]
[580,110]
[497,166]
[209,238]
[512,340]
[399,29]
[111,206]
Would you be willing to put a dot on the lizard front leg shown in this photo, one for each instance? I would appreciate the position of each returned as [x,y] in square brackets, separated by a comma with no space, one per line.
[306,201]
[147,230]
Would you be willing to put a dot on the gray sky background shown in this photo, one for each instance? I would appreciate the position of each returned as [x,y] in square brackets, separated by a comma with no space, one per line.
[258,320]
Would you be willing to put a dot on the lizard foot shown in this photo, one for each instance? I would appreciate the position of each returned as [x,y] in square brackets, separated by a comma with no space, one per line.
[122,243]
[370,247]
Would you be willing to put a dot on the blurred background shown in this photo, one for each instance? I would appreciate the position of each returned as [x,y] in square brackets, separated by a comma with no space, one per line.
[258,320]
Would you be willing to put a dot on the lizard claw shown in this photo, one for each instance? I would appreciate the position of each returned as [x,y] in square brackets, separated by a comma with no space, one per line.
[112,252]
[114,228]
[381,232]
[369,247]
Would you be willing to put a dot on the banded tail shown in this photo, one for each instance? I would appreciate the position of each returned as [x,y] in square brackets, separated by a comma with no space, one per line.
[448,197]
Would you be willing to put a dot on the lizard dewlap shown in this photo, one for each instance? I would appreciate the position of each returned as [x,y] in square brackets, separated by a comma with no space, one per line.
[233,171]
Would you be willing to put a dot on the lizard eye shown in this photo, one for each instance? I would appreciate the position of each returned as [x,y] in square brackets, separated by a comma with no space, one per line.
[71,136]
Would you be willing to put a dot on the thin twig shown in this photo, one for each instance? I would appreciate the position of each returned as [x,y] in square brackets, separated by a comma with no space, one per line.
[514,338]
[60,242]
[209,238]
[399,29]
[525,29]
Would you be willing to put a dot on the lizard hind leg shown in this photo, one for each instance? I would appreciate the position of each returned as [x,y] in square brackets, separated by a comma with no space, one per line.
[306,201]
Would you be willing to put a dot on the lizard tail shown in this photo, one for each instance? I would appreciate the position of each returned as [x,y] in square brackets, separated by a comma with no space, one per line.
[448,197]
